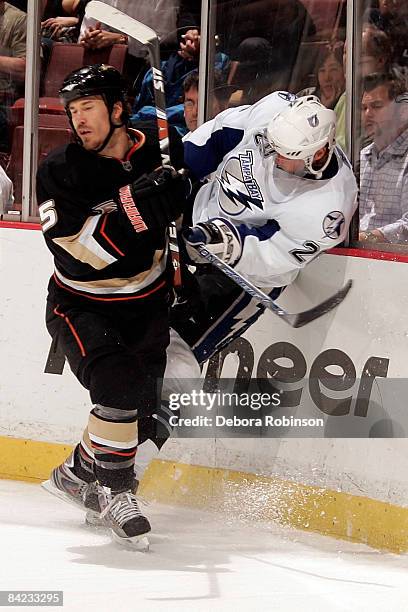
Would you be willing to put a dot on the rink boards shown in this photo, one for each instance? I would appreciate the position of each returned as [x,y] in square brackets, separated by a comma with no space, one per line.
[354,487]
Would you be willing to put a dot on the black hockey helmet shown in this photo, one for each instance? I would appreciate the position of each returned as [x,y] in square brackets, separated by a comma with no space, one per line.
[96,80]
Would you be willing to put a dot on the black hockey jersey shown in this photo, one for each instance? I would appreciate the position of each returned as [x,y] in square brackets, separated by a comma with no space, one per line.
[97,254]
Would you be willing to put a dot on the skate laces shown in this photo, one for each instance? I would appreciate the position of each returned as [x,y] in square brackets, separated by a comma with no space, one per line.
[123,508]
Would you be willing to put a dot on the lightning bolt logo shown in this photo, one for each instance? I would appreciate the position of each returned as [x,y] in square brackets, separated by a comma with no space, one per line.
[237,192]
[240,322]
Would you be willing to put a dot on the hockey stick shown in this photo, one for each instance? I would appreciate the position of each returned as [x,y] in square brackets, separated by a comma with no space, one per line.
[295,319]
[135,29]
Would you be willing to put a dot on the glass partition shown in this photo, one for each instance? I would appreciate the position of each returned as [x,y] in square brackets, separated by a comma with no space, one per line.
[253,47]
[301,46]
[282,44]
[56,38]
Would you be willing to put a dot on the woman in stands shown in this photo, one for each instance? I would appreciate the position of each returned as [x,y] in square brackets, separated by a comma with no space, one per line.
[331,81]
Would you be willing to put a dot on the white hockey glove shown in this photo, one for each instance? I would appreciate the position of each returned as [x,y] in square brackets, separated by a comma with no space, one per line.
[219,236]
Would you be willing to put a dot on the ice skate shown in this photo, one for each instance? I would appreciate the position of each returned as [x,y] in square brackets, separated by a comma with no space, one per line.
[121,513]
[91,503]
[64,484]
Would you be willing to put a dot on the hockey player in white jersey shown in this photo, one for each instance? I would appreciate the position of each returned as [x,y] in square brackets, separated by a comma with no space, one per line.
[277,192]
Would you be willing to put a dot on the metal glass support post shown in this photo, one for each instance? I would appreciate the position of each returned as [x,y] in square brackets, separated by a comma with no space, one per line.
[353,93]
[202,69]
[32,81]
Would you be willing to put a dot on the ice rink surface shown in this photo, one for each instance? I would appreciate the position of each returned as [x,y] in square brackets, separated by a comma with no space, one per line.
[197,561]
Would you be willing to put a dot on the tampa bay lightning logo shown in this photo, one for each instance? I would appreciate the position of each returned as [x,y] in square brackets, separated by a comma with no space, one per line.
[333,224]
[239,191]
[288,97]
[313,121]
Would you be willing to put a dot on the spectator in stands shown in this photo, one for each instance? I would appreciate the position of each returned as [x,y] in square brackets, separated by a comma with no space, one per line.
[384,163]
[340,110]
[282,23]
[160,15]
[263,41]
[375,57]
[184,114]
[256,72]
[331,80]
[61,19]
[219,96]
[189,16]
[179,65]
[376,51]
[190,101]
[391,16]
[175,70]
[13,29]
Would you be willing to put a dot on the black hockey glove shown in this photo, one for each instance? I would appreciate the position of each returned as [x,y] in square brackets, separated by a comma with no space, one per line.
[219,236]
[155,199]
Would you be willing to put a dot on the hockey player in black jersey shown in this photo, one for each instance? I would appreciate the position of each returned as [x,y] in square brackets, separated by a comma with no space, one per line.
[105,203]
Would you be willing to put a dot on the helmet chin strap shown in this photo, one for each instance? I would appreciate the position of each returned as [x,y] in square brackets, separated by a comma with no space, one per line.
[318,173]
[108,137]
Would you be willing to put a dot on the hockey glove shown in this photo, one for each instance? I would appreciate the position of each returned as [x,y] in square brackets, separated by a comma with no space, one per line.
[155,199]
[219,236]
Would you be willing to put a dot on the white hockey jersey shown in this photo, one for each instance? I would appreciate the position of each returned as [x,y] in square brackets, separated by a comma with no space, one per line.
[284,220]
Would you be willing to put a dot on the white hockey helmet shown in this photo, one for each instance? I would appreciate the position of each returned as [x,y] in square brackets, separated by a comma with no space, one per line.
[301,129]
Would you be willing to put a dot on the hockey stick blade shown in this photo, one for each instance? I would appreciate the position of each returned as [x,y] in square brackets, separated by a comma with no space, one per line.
[295,319]
[119,21]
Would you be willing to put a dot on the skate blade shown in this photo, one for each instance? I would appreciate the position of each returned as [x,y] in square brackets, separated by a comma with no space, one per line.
[137,543]
[94,519]
[49,486]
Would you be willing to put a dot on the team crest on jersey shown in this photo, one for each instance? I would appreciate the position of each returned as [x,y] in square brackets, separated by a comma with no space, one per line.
[285,95]
[313,121]
[239,191]
[333,224]
[105,207]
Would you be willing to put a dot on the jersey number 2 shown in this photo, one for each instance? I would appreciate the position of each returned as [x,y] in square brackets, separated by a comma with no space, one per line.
[310,249]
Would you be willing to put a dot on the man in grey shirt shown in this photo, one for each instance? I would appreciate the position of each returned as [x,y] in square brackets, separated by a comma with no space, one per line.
[13,28]
[384,162]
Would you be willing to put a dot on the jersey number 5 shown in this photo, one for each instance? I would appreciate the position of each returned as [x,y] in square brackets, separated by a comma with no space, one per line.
[310,249]
[48,215]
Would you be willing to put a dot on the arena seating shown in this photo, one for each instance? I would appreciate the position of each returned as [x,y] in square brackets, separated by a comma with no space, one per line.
[53,131]
[66,57]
